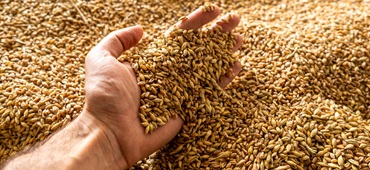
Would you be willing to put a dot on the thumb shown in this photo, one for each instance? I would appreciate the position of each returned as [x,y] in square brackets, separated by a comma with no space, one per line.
[118,41]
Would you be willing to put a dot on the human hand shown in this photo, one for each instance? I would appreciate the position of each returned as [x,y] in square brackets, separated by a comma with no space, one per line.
[113,96]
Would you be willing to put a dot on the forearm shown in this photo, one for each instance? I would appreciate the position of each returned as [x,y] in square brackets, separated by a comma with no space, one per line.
[84,144]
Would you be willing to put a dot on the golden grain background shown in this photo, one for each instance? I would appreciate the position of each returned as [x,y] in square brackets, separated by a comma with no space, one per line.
[305,83]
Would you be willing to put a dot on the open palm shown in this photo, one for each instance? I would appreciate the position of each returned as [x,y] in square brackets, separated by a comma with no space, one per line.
[113,96]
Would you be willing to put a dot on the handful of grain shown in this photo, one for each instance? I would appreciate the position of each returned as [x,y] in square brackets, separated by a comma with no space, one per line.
[178,74]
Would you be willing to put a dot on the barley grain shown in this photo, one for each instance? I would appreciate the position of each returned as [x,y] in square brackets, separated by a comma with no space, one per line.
[304,84]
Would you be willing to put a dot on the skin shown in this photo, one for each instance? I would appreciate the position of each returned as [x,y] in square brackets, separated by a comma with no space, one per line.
[108,133]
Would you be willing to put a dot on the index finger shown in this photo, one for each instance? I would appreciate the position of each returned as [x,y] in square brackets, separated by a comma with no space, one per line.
[197,19]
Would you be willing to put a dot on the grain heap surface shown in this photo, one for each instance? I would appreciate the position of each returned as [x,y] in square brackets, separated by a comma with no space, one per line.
[304,87]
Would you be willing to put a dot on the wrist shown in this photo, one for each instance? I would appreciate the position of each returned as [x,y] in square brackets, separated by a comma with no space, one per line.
[86,143]
[100,146]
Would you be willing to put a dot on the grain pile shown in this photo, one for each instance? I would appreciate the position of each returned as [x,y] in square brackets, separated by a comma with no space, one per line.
[302,100]
[179,74]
